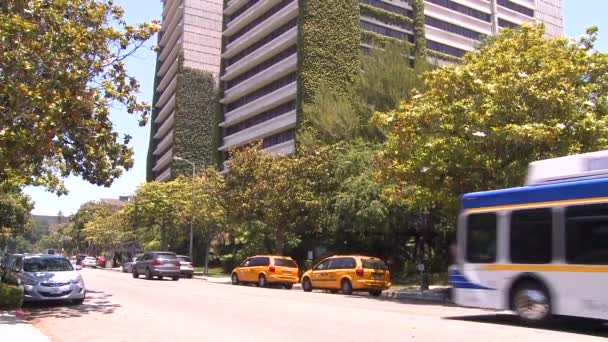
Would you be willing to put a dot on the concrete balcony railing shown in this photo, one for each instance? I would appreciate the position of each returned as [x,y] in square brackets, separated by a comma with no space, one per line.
[248,16]
[164,144]
[260,131]
[169,25]
[167,109]
[449,38]
[165,127]
[172,40]
[168,9]
[163,161]
[273,73]
[233,6]
[166,95]
[284,148]
[283,41]
[262,104]
[458,18]
[281,17]
[166,175]
[168,77]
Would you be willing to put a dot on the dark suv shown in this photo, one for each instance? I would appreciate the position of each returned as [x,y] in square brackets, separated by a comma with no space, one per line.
[157,264]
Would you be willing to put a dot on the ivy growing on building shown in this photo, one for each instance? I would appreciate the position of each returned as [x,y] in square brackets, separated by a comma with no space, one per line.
[329,53]
[150,158]
[420,50]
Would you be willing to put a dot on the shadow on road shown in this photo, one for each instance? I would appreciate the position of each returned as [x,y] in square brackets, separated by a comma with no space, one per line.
[95,302]
[563,324]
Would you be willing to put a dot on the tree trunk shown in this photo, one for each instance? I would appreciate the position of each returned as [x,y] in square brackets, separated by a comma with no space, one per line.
[163,237]
[207,249]
[280,239]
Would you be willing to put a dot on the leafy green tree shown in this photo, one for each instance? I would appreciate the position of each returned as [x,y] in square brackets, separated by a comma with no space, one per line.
[15,218]
[477,125]
[88,212]
[61,70]
[106,232]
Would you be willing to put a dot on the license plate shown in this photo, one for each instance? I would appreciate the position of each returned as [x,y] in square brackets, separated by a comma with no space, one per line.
[377,275]
[56,290]
[287,272]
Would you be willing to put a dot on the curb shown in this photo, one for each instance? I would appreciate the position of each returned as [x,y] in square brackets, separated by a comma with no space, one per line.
[431,297]
[16,328]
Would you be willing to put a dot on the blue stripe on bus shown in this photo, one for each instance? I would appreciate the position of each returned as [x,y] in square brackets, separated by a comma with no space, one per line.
[592,188]
[459,281]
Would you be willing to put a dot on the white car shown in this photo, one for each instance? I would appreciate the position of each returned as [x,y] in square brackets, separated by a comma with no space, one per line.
[89,262]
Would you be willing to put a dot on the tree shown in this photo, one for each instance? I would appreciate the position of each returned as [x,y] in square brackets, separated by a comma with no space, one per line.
[61,70]
[476,126]
[15,218]
[87,213]
[109,231]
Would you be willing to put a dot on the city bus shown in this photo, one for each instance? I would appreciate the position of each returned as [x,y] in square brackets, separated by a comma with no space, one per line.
[540,249]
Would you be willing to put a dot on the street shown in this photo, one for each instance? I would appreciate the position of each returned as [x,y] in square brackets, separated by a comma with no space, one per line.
[120,308]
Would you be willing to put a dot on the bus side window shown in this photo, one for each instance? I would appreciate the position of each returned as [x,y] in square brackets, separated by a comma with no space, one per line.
[481,238]
[587,234]
[531,236]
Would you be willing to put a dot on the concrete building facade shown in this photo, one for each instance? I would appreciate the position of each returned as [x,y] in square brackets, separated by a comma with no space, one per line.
[190,40]
[262,50]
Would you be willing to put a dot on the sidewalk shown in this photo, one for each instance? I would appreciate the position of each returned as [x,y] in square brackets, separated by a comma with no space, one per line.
[13,328]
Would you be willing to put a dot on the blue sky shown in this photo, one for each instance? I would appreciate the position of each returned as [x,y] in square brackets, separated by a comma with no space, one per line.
[578,15]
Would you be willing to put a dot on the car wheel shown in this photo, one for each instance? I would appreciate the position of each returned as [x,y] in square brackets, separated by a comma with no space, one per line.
[288,286]
[175,278]
[190,276]
[375,293]
[160,277]
[135,274]
[234,279]
[306,285]
[532,303]
[333,291]
[77,301]
[262,281]
[148,274]
[346,287]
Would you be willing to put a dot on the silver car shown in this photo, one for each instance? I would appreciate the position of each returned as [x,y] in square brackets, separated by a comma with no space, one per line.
[48,278]
[157,264]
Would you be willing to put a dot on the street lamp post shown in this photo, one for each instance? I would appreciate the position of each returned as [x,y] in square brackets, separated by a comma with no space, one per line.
[192,211]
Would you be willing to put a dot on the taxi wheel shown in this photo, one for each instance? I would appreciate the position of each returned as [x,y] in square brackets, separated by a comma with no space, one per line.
[262,281]
[306,285]
[333,291]
[347,287]
[288,286]
[234,279]
[375,293]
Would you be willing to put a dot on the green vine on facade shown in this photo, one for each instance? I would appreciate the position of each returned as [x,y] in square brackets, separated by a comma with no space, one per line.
[150,158]
[391,17]
[420,50]
[328,50]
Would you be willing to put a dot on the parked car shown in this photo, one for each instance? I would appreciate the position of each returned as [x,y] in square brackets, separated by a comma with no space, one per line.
[157,264]
[127,266]
[48,278]
[89,262]
[266,269]
[348,273]
[5,265]
[185,266]
[80,258]
[101,261]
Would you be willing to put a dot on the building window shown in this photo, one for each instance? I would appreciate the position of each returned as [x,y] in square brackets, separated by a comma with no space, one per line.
[465,32]
[587,234]
[516,7]
[385,31]
[531,236]
[450,50]
[280,83]
[278,138]
[481,238]
[506,23]
[262,66]
[270,12]
[462,9]
[267,39]
[388,7]
[262,117]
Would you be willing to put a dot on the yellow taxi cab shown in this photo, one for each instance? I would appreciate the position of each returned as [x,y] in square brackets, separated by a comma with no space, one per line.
[348,273]
[266,269]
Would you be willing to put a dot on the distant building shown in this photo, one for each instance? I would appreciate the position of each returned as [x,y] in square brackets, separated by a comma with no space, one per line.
[116,203]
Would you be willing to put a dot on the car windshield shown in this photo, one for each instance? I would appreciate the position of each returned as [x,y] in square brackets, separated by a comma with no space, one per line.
[166,256]
[47,265]
[375,264]
[185,259]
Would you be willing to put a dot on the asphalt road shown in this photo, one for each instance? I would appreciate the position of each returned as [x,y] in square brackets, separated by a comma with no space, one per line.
[120,308]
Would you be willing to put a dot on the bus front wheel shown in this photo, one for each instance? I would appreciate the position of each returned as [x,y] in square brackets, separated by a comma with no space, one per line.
[531,302]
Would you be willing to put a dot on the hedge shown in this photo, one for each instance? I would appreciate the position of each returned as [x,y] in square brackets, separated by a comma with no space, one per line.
[328,50]
[11,297]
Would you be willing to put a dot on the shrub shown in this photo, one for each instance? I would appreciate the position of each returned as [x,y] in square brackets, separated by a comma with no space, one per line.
[11,297]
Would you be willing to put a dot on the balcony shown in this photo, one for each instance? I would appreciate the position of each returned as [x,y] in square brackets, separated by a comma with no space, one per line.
[168,108]
[264,103]
[167,93]
[168,77]
[164,161]
[168,9]
[164,144]
[165,127]
[233,6]
[285,148]
[166,175]
[175,35]
[248,16]
[458,18]
[277,20]
[283,41]
[169,24]
[260,131]
[265,77]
